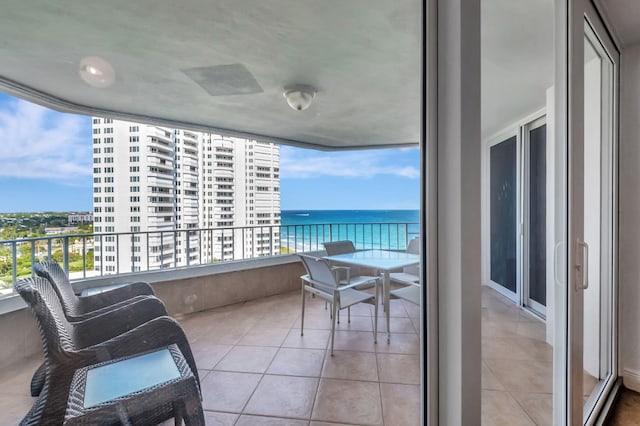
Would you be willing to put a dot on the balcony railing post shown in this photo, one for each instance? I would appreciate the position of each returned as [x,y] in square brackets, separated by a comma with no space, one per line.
[65,253]
[14,261]
[33,256]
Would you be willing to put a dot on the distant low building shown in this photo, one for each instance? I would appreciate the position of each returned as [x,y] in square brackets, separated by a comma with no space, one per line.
[79,218]
[56,230]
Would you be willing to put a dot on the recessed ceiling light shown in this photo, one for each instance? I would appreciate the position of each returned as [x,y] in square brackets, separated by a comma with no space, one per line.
[96,72]
[299,96]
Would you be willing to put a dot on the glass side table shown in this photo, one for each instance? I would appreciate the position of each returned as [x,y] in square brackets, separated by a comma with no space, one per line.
[144,389]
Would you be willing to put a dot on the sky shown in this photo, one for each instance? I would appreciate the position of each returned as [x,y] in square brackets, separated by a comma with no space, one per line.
[46,165]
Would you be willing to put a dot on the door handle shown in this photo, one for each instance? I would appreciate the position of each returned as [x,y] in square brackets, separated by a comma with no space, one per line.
[582,265]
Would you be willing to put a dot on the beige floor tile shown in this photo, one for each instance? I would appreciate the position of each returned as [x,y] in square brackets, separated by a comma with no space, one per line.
[489,380]
[348,401]
[503,348]
[362,309]
[248,359]
[500,409]
[399,368]
[400,343]
[398,325]
[312,339]
[539,406]
[207,355]
[316,320]
[264,335]
[18,375]
[13,408]
[297,362]
[226,335]
[226,391]
[626,410]
[358,323]
[400,404]
[521,348]
[397,309]
[523,376]
[283,396]
[359,341]
[214,418]
[499,328]
[314,423]
[500,314]
[348,365]
[413,310]
[247,420]
[534,330]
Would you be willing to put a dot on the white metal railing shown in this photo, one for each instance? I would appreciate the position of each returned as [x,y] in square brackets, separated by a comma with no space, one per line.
[91,255]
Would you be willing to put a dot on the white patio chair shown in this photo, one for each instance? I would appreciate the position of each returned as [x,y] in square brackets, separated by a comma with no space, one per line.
[321,281]
[410,275]
[347,273]
[409,293]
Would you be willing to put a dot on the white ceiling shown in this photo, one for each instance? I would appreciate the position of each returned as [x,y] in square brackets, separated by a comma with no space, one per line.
[517,60]
[362,56]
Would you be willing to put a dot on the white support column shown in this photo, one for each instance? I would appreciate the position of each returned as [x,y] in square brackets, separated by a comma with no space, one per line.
[458,210]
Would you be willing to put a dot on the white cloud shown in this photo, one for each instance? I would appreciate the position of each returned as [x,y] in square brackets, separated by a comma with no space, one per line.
[38,143]
[298,163]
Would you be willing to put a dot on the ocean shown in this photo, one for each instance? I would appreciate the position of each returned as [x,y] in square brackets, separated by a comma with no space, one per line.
[305,230]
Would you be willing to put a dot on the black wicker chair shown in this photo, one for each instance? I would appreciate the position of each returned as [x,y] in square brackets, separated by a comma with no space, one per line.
[69,346]
[139,295]
[81,307]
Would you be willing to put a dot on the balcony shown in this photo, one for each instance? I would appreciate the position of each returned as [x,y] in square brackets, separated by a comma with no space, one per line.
[245,336]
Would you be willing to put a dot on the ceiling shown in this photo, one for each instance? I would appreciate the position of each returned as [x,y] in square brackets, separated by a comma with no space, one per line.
[624,18]
[222,65]
[516,61]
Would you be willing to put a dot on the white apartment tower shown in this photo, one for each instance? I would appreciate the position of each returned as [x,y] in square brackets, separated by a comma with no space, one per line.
[167,197]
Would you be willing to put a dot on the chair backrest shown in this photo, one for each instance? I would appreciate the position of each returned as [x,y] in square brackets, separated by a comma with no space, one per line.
[60,283]
[414,246]
[319,271]
[339,247]
[55,330]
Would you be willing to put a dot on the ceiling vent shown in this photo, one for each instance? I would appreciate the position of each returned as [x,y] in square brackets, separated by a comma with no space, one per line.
[225,80]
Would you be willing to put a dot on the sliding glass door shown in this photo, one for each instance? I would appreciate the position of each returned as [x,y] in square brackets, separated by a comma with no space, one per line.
[535,216]
[593,204]
[503,215]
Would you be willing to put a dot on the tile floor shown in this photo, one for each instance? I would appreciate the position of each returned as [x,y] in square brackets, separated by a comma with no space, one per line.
[517,365]
[256,369]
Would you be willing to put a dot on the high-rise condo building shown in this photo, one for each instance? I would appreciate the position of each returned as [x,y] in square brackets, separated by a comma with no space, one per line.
[168,197]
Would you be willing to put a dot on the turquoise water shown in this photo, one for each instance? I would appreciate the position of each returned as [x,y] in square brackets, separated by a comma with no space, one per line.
[304,230]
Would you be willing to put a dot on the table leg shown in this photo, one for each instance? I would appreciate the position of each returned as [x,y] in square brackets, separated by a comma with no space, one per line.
[386,282]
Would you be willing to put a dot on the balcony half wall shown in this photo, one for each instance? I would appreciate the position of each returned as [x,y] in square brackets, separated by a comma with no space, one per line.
[183,291]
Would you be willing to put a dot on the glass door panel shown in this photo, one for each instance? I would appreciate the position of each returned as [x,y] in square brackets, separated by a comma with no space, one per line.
[599,190]
[535,257]
[503,193]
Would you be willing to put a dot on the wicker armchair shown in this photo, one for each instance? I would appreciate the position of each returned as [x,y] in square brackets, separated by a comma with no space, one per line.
[79,308]
[69,346]
[143,308]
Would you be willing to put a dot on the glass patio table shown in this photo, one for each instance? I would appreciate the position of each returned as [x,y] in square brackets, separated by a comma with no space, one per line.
[385,261]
